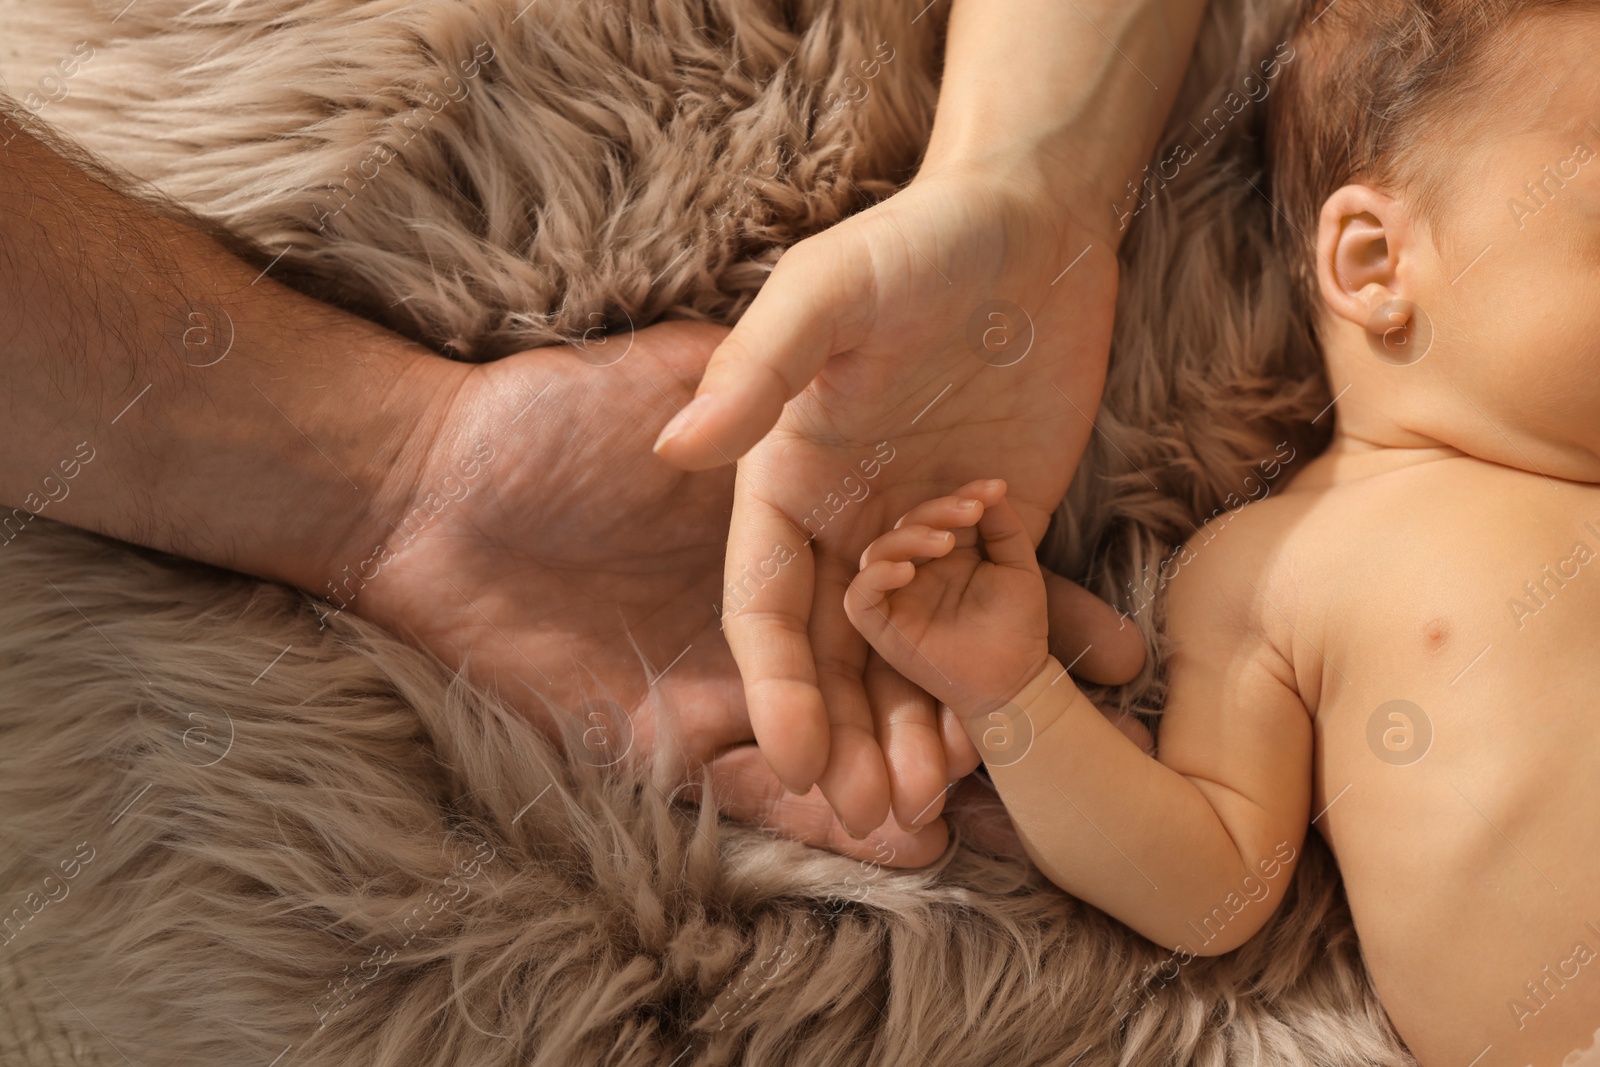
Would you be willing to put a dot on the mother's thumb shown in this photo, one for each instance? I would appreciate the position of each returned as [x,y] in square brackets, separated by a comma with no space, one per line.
[817,303]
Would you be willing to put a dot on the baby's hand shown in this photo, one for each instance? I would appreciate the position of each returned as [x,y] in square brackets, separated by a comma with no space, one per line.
[962,619]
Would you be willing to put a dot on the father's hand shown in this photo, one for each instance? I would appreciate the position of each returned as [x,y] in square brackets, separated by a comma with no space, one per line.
[545,548]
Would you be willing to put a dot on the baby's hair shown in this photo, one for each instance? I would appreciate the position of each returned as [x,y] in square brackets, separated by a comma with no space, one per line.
[1371,83]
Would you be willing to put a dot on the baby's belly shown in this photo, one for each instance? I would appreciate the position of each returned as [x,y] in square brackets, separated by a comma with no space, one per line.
[1471,863]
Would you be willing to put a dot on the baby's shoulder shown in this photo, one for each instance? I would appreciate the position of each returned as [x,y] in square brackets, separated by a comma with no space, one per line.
[1239,548]
[1232,601]
[1251,575]
[1304,553]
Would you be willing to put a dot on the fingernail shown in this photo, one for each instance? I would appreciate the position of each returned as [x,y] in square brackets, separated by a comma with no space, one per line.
[855,836]
[796,792]
[683,421]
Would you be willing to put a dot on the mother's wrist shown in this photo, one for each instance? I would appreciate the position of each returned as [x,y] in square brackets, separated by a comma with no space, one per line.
[1075,198]
[1078,92]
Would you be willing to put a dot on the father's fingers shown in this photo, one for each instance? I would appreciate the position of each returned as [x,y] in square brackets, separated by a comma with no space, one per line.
[1090,635]
[978,815]
[766,613]
[817,302]
[961,756]
[746,791]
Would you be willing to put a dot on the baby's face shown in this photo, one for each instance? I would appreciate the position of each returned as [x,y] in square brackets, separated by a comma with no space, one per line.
[1510,281]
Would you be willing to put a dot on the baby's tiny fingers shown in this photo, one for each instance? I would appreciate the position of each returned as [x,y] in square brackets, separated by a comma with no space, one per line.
[987,491]
[884,576]
[1006,540]
[968,504]
[909,543]
[868,590]
[945,512]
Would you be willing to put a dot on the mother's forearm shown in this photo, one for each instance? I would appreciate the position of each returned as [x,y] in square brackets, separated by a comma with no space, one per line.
[161,390]
[1081,87]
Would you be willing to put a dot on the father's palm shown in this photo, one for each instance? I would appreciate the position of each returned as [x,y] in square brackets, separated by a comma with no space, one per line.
[572,546]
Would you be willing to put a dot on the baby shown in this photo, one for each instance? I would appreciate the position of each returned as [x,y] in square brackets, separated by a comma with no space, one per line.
[1402,647]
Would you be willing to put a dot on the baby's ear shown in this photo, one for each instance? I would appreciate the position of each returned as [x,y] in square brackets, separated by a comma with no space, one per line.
[1363,248]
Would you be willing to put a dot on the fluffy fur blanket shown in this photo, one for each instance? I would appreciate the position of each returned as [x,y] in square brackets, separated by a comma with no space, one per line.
[352,858]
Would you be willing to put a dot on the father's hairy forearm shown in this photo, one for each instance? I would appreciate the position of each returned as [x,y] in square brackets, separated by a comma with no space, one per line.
[159,389]
[1079,86]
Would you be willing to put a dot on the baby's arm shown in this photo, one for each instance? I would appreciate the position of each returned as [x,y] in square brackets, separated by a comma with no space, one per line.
[1193,851]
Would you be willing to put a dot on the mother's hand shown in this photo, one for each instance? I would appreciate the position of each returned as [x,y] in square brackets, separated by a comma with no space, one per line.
[958,330]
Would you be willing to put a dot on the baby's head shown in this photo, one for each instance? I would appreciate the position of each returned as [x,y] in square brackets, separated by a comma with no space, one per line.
[1436,178]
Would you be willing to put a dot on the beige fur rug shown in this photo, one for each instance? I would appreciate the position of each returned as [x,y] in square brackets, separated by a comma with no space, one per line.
[355,860]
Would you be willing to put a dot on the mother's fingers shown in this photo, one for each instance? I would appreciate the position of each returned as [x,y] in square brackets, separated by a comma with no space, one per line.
[977,814]
[767,622]
[913,750]
[1090,636]
[854,780]
[961,756]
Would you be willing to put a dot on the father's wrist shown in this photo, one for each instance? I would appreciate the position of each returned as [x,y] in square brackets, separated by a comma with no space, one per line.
[296,461]
[285,457]
[162,391]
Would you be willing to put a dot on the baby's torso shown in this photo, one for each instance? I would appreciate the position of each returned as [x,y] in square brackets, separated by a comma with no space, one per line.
[1443,625]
